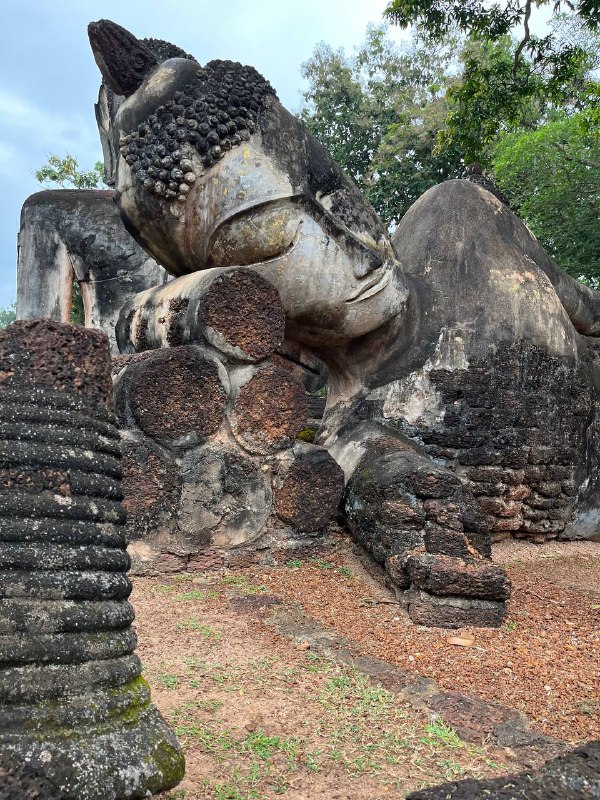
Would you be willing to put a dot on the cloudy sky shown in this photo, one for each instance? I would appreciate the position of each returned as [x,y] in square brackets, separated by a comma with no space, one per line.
[49,80]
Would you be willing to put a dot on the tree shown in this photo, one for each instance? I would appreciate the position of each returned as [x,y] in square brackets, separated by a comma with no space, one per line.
[505,81]
[8,314]
[379,112]
[552,179]
[65,173]
[494,21]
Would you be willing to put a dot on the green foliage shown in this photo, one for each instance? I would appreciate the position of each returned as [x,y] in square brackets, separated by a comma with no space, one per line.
[552,179]
[8,315]
[488,97]
[379,112]
[77,313]
[507,83]
[307,434]
[65,172]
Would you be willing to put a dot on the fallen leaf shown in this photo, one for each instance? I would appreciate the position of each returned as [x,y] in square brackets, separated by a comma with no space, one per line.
[461,641]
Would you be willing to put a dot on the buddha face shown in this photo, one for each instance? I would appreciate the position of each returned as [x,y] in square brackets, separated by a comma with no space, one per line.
[213,172]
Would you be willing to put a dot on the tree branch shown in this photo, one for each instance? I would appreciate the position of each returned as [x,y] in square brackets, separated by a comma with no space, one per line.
[525,38]
[574,159]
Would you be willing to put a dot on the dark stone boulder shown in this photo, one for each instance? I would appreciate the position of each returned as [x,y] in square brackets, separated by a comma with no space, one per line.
[574,776]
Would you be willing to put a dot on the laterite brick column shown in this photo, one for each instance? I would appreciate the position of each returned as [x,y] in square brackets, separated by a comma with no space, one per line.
[72,701]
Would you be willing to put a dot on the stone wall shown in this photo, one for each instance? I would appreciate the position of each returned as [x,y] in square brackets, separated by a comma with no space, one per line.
[513,427]
[213,473]
[69,235]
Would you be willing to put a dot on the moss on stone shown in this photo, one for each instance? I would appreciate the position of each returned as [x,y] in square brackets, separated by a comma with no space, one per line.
[307,434]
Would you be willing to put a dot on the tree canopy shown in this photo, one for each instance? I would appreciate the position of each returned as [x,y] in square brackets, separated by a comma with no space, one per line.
[65,173]
[552,177]
[379,112]
[400,119]
[511,77]
[8,314]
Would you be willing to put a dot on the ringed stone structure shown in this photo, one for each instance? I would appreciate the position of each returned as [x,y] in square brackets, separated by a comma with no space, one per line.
[73,704]
[463,377]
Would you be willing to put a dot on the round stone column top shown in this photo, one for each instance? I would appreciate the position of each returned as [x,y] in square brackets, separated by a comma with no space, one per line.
[54,355]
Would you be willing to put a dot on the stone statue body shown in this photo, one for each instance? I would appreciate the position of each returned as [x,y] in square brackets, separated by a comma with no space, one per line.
[462,380]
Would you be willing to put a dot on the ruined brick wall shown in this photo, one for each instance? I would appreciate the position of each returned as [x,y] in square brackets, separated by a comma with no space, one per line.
[514,428]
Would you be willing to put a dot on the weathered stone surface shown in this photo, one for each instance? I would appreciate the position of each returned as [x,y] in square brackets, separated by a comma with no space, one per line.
[225,498]
[175,395]
[308,489]
[457,364]
[69,235]
[195,494]
[445,576]
[45,353]
[125,59]
[574,776]
[453,612]
[310,369]
[73,704]
[151,480]
[20,781]
[269,408]
[236,311]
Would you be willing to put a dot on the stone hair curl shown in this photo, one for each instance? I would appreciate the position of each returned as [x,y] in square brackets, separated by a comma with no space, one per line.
[216,111]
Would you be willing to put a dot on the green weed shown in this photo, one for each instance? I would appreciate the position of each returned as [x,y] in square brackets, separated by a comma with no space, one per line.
[438,734]
[169,681]
[321,563]
[197,594]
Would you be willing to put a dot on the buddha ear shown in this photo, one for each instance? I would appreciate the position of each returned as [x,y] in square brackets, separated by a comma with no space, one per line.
[122,59]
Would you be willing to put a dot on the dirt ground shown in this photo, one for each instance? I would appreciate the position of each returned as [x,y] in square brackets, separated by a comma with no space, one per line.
[261,717]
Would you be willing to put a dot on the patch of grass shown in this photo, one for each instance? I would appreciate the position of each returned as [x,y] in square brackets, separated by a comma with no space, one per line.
[510,626]
[189,710]
[350,725]
[437,734]
[197,594]
[243,585]
[265,747]
[321,563]
[168,681]
[240,786]
[263,664]
[294,563]
[165,588]
[315,663]
[207,737]
[222,675]
[206,631]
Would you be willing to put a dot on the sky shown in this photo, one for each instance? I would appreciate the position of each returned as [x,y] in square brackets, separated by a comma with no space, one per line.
[49,80]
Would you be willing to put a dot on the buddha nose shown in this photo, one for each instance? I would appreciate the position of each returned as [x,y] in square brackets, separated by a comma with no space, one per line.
[366,262]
